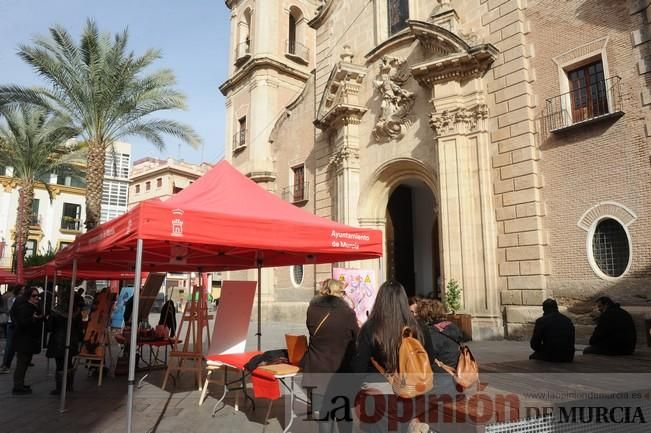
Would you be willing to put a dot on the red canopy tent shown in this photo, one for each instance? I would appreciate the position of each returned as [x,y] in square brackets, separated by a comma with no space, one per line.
[223,221]
[50,270]
[7,277]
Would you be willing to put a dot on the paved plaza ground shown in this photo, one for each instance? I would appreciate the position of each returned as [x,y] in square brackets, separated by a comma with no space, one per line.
[93,409]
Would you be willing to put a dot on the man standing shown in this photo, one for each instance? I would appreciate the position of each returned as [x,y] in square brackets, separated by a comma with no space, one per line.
[553,335]
[27,338]
[11,329]
[615,331]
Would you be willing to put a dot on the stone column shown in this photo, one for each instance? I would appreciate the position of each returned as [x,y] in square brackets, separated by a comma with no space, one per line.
[468,229]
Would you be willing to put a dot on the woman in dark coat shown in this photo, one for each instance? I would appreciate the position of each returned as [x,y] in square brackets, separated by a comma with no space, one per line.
[57,325]
[333,331]
[445,339]
[27,338]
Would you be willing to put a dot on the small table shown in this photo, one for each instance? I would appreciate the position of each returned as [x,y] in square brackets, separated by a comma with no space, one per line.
[235,361]
[155,360]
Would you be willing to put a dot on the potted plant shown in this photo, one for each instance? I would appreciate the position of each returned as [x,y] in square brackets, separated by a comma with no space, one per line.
[453,304]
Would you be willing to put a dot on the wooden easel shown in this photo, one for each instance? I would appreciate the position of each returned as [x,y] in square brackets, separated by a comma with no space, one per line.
[96,339]
[94,360]
[195,317]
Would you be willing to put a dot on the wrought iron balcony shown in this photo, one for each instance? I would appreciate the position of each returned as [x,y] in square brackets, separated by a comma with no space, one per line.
[297,51]
[34,219]
[239,139]
[297,193]
[600,100]
[70,223]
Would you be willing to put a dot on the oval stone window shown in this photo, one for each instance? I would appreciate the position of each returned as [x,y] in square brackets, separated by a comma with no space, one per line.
[610,247]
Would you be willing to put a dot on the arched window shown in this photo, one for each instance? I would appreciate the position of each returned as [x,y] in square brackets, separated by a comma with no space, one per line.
[291,42]
[244,40]
[398,14]
[295,47]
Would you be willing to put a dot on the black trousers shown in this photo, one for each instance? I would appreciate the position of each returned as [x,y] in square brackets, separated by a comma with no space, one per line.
[22,363]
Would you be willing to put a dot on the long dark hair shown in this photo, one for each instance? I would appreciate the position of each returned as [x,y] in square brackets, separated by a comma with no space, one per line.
[389,316]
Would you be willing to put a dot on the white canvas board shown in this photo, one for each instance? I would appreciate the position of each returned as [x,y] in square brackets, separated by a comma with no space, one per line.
[232,317]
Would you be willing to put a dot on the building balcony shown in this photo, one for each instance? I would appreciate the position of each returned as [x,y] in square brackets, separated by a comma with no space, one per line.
[70,224]
[243,53]
[34,219]
[297,51]
[599,101]
[239,140]
[297,193]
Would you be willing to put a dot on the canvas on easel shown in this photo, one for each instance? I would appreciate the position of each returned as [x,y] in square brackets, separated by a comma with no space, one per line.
[96,339]
[192,328]
[231,323]
[148,294]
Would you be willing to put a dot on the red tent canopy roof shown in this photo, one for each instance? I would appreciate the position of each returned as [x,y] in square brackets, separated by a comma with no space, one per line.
[50,269]
[7,277]
[223,221]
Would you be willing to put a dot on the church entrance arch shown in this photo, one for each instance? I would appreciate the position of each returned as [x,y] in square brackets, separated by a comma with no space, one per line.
[402,195]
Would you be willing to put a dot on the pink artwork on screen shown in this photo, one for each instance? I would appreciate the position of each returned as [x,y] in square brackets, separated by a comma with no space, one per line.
[361,290]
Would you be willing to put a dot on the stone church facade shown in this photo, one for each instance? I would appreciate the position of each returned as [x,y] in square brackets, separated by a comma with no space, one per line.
[500,143]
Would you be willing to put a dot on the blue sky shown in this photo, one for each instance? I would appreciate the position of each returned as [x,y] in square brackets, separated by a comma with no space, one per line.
[193,37]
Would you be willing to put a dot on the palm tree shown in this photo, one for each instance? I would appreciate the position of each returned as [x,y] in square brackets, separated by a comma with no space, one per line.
[35,143]
[106,92]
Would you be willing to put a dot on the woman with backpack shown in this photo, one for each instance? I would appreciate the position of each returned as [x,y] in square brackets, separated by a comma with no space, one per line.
[445,339]
[378,347]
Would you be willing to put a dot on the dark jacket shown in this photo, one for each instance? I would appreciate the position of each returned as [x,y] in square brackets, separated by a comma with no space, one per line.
[27,336]
[57,326]
[615,332]
[445,339]
[168,316]
[332,348]
[553,338]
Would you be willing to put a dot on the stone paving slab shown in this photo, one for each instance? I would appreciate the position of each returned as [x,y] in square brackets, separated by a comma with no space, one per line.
[93,409]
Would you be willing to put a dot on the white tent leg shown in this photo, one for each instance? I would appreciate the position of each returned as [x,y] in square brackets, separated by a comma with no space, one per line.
[259,334]
[134,333]
[71,302]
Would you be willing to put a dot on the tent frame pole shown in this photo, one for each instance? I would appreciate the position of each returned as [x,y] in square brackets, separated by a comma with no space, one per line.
[259,334]
[134,333]
[71,301]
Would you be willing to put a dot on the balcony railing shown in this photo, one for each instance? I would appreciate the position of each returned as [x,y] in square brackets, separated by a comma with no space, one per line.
[239,139]
[72,224]
[297,193]
[297,50]
[243,52]
[34,219]
[600,100]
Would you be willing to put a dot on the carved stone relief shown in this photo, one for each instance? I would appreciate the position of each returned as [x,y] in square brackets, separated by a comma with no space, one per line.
[397,102]
[459,121]
[343,154]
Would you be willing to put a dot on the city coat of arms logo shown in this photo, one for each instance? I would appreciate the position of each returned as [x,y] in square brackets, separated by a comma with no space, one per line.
[177,222]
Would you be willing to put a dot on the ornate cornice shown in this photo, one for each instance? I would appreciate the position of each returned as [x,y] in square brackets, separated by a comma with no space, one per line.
[257,63]
[459,121]
[340,95]
[9,183]
[449,57]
